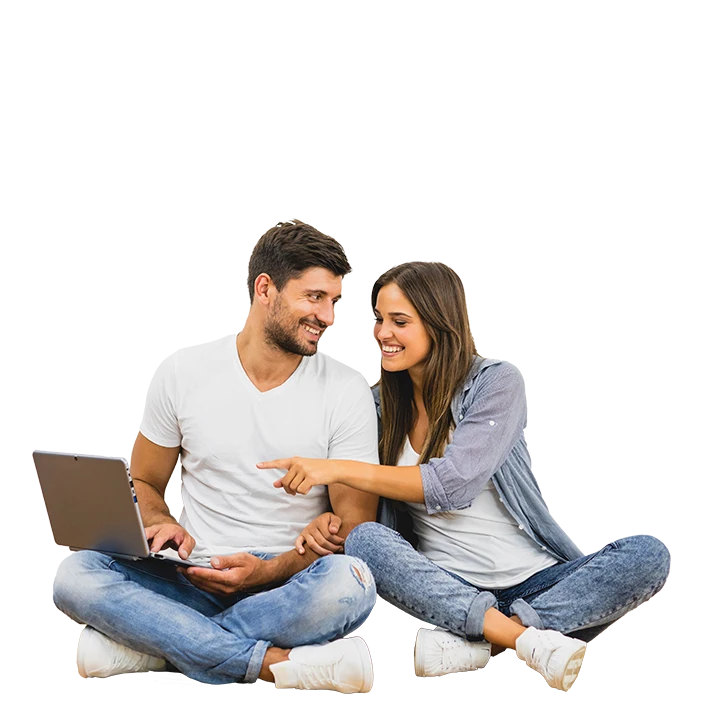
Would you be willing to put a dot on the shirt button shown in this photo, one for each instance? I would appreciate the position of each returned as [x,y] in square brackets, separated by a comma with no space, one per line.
[543,547]
[461,416]
[491,422]
[437,508]
[520,527]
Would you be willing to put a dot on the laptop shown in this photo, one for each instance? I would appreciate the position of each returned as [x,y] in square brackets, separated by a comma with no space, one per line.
[92,505]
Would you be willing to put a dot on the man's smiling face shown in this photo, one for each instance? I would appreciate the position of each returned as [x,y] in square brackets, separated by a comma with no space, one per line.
[302,311]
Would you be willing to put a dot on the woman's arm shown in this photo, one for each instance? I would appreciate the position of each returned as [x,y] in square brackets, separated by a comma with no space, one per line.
[401,483]
[485,434]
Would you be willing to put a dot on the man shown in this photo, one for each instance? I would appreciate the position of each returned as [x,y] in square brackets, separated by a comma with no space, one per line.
[257,608]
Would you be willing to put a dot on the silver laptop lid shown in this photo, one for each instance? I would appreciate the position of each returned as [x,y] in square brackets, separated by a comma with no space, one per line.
[91,503]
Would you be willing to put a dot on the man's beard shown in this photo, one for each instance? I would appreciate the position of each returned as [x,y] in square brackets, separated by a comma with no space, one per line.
[285,337]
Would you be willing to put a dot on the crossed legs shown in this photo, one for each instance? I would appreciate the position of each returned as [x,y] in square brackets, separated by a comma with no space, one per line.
[580,598]
[154,610]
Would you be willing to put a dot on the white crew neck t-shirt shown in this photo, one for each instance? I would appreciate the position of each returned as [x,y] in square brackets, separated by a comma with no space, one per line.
[202,400]
[481,543]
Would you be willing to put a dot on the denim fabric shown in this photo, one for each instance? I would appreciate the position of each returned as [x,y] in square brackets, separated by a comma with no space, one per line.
[580,597]
[490,413]
[151,608]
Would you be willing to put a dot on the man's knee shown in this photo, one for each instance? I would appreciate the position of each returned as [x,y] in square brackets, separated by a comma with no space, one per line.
[72,579]
[348,584]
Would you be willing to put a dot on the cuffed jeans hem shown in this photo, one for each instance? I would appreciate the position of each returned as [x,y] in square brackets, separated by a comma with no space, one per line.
[255,662]
[474,624]
[528,615]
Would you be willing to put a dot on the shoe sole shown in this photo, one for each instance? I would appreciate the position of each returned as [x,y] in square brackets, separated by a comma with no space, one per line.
[418,653]
[366,658]
[572,669]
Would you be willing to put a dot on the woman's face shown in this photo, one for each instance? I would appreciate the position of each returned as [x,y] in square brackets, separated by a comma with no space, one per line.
[399,331]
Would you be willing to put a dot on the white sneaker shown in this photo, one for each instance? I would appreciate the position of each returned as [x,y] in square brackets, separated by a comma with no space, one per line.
[99,656]
[440,652]
[555,656]
[342,666]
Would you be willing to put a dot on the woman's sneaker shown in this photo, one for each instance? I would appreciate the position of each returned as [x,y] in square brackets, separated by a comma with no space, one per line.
[555,656]
[99,656]
[440,652]
[342,666]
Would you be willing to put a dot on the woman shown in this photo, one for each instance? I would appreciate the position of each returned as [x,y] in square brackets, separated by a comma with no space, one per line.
[492,569]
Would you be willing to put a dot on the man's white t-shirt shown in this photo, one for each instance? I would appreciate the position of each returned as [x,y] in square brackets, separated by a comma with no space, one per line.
[202,400]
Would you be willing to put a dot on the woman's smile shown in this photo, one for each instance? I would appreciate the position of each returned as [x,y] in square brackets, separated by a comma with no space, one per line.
[390,350]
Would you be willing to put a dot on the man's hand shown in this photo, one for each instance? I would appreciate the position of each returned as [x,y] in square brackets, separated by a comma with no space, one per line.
[232,573]
[303,473]
[321,535]
[170,535]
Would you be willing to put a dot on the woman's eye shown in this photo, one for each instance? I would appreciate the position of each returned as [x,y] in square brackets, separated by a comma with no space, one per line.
[378,320]
[400,323]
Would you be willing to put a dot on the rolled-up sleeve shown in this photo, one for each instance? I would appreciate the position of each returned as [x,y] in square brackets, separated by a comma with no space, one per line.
[483,438]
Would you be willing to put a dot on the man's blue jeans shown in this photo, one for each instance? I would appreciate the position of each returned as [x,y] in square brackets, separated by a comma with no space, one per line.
[151,608]
[580,598]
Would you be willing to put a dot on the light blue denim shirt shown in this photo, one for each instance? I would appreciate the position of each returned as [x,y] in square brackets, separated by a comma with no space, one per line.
[490,414]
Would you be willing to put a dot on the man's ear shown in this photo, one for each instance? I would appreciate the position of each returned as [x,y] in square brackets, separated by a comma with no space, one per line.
[264,289]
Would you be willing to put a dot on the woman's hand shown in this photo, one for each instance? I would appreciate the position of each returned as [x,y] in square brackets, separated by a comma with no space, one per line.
[303,474]
[320,535]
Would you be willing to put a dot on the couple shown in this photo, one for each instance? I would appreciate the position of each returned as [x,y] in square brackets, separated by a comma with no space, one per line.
[465,541]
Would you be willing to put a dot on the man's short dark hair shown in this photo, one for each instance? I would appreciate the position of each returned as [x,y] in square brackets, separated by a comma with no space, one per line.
[291,247]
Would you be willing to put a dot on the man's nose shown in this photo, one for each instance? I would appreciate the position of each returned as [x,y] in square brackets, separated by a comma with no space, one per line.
[326,314]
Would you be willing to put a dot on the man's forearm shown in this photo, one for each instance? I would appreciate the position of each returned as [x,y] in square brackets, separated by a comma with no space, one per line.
[151,504]
[284,566]
[352,506]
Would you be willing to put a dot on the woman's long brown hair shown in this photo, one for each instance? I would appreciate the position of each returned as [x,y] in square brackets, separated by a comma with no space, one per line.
[436,292]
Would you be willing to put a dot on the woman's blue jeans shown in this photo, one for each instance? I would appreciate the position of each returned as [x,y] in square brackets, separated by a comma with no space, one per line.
[580,598]
[151,608]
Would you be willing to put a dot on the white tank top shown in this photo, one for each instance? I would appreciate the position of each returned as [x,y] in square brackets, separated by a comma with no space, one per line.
[483,544]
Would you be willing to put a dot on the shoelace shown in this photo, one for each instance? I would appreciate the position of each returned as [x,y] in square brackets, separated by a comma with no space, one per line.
[126,658]
[315,676]
[454,656]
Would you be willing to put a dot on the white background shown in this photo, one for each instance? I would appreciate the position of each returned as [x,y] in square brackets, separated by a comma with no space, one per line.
[550,152]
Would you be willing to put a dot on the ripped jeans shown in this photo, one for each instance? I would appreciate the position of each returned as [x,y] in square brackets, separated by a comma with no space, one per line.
[580,598]
[153,609]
